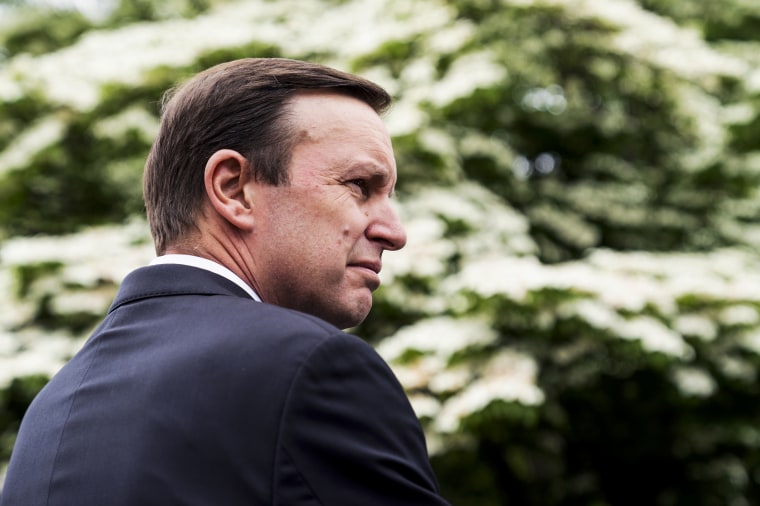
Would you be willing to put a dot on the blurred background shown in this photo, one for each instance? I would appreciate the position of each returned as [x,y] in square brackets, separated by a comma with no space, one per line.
[575,317]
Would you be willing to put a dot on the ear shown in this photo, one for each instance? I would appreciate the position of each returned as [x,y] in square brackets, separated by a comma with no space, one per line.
[225,177]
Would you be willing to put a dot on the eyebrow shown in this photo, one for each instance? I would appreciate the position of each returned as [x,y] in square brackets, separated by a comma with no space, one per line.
[377,172]
[385,175]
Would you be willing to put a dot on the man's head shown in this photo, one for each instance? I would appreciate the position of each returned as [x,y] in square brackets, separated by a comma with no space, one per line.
[240,105]
[290,190]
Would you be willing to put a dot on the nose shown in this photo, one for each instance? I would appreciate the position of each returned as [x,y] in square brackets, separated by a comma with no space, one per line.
[387,229]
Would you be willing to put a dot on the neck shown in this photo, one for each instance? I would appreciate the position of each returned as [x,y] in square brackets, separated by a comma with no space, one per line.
[224,247]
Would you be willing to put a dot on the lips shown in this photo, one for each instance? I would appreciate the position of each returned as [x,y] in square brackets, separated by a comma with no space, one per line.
[371,271]
[368,264]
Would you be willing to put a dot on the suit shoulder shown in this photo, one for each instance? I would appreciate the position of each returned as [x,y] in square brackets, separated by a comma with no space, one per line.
[283,320]
[240,328]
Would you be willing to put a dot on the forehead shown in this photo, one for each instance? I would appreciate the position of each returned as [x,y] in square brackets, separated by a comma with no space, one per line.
[341,127]
[317,113]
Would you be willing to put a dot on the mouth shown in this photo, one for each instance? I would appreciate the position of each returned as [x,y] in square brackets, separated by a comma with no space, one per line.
[369,265]
[370,271]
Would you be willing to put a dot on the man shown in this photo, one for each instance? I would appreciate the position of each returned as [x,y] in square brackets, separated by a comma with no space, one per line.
[219,376]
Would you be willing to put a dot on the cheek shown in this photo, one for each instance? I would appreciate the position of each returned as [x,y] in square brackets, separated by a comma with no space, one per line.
[349,235]
[327,242]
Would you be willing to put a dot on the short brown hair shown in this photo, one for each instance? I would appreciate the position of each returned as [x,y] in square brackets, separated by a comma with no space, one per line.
[239,105]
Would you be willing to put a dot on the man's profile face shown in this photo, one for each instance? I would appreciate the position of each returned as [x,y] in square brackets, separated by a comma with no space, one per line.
[317,242]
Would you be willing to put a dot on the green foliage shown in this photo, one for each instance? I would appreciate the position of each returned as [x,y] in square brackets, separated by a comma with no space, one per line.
[28,278]
[744,135]
[386,313]
[391,55]
[134,11]
[27,275]
[66,186]
[614,428]
[576,318]
[572,101]
[730,19]
[14,400]
[40,32]
[87,179]
[16,114]
[422,164]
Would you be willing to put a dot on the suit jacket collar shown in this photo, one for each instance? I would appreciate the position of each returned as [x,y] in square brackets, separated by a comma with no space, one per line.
[173,279]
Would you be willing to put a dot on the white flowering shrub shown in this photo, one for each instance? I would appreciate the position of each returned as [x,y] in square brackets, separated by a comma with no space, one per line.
[575,316]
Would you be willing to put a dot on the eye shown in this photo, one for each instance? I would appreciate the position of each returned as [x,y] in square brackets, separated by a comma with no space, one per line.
[359,185]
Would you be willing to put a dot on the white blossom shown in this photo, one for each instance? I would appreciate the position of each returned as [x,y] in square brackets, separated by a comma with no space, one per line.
[442,336]
[42,134]
[89,301]
[420,372]
[451,37]
[132,118]
[635,296]
[693,381]
[74,75]
[740,314]
[696,325]
[653,38]
[111,248]
[751,340]
[494,229]
[508,376]
[93,263]
[467,73]
[27,352]
[737,368]
[451,379]
[654,336]
[425,406]
[595,313]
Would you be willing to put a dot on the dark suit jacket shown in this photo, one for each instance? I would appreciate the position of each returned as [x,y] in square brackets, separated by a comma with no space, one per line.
[191,393]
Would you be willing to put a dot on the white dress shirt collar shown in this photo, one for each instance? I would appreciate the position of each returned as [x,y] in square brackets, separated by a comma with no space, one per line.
[209,265]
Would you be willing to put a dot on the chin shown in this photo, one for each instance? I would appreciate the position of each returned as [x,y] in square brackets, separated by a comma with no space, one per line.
[347,322]
[350,313]
[351,318]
